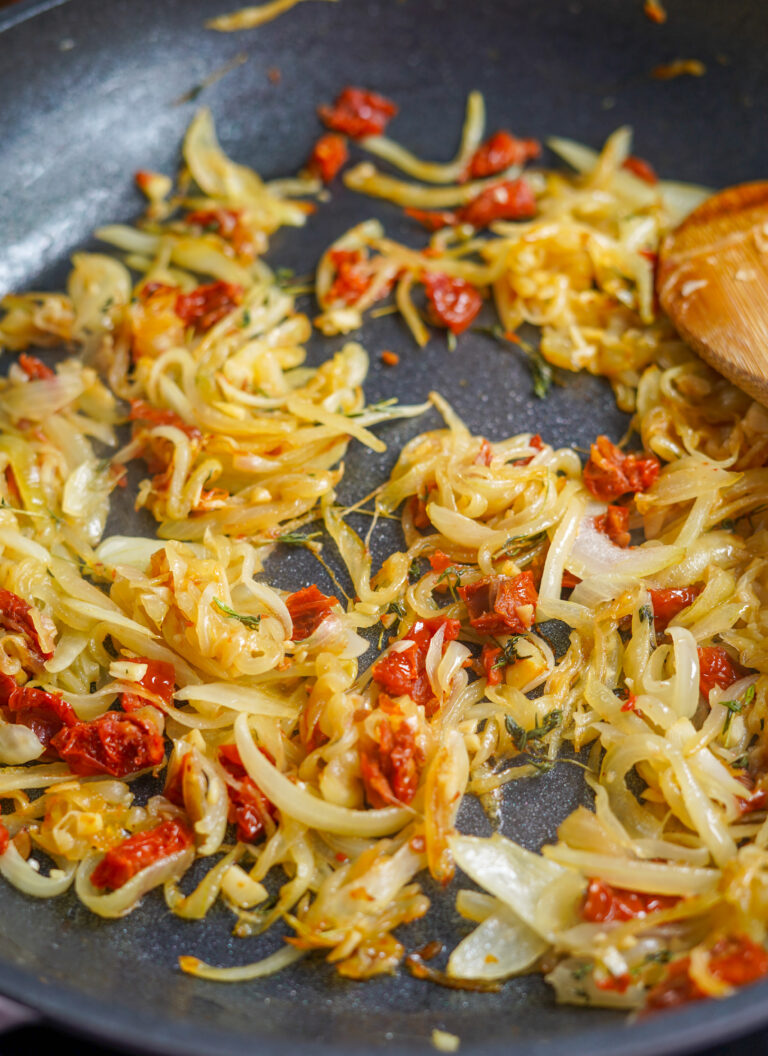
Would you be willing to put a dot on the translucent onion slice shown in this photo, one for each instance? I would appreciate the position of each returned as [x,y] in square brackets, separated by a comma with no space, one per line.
[651,877]
[20,873]
[508,871]
[18,745]
[120,902]
[299,803]
[502,945]
[274,963]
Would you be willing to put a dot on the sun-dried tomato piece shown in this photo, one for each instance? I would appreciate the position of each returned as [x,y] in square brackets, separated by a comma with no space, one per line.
[668,603]
[328,155]
[489,659]
[159,678]
[501,604]
[141,411]
[537,444]
[358,113]
[433,219]
[207,305]
[404,673]
[43,712]
[352,276]
[228,223]
[610,473]
[614,523]
[391,766]
[135,853]
[508,200]
[115,744]
[16,617]
[454,302]
[735,960]
[640,168]
[308,609]
[715,668]
[604,902]
[248,806]
[500,151]
[5,838]
[34,368]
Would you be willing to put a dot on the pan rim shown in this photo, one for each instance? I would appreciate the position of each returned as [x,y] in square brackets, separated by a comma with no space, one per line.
[681,1031]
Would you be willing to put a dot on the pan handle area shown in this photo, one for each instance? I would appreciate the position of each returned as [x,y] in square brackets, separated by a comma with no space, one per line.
[13,1015]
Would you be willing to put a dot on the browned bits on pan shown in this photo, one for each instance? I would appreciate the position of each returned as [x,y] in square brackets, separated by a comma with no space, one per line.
[389,359]
[679,68]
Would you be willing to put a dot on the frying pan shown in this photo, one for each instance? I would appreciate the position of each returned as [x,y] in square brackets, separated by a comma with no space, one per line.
[89,92]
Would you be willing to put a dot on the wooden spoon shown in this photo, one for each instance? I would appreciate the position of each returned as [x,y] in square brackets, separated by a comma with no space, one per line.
[712,281]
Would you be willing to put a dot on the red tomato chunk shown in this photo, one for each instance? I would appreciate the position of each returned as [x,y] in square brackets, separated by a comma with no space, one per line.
[735,960]
[640,168]
[352,277]
[122,862]
[16,618]
[668,603]
[509,200]
[34,368]
[248,806]
[391,769]
[501,604]
[604,903]
[5,838]
[489,658]
[308,609]
[433,219]
[159,679]
[715,668]
[115,744]
[205,306]
[455,303]
[610,473]
[358,113]
[327,157]
[615,523]
[44,713]
[404,673]
[499,152]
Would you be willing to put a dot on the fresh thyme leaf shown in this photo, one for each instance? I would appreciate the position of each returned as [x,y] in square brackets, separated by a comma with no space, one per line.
[540,370]
[246,320]
[283,275]
[295,539]
[249,621]
[508,652]
[516,543]
[397,608]
[521,737]
[380,407]
[646,613]
[416,571]
[735,707]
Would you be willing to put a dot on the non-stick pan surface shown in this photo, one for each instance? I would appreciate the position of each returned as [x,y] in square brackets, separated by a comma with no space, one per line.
[89,92]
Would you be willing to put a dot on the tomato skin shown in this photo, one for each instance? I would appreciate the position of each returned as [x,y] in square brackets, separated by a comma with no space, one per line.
[404,673]
[5,838]
[537,444]
[44,713]
[508,200]
[358,113]
[16,619]
[500,151]
[501,604]
[715,669]
[205,306]
[488,658]
[433,219]
[604,903]
[141,411]
[440,562]
[160,679]
[735,960]
[115,744]
[135,853]
[614,523]
[455,302]
[34,368]
[392,767]
[328,155]
[352,278]
[308,609]
[640,168]
[668,603]
[247,803]
[610,473]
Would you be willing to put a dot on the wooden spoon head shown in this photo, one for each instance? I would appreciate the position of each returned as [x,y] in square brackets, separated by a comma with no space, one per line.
[712,281]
